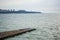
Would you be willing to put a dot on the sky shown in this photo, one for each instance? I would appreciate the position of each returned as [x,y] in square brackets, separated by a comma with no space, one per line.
[32,5]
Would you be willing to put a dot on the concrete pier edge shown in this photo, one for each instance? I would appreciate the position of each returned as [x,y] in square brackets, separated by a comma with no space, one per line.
[8,34]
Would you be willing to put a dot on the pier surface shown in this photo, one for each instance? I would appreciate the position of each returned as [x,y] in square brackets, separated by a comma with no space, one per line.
[8,34]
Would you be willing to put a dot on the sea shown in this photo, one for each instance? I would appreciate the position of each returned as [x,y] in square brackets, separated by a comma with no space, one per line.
[47,25]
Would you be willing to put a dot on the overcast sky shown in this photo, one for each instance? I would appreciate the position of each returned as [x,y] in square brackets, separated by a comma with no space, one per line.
[35,5]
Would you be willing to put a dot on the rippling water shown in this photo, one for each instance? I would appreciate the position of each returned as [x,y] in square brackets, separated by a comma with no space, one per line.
[47,25]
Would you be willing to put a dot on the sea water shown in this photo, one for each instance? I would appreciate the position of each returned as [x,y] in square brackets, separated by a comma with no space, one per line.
[47,25]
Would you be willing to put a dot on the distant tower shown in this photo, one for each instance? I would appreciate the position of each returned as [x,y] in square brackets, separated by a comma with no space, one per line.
[13,9]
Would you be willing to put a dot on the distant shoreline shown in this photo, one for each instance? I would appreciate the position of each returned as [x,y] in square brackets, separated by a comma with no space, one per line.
[19,11]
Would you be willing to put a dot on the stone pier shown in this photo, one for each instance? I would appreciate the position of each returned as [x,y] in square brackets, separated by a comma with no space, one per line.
[12,33]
